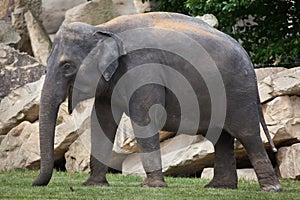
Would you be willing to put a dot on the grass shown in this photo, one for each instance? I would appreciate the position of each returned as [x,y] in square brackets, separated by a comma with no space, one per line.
[17,185]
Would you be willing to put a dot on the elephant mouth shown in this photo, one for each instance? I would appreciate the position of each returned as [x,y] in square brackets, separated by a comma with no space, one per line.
[70,100]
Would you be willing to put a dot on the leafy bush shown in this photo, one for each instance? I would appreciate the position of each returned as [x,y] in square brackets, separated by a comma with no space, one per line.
[268,30]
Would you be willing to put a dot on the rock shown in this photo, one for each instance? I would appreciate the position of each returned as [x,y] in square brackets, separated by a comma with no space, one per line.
[125,141]
[246,174]
[265,90]
[124,7]
[186,159]
[279,109]
[181,156]
[289,161]
[18,21]
[286,82]
[53,13]
[17,69]
[78,155]
[210,19]
[142,7]
[92,12]
[66,132]
[40,41]
[262,73]
[2,138]
[6,10]
[207,173]
[289,134]
[20,149]
[283,117]
[20,105]
[8,35]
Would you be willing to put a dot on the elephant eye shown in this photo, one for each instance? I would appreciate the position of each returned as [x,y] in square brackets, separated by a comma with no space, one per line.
[69,69]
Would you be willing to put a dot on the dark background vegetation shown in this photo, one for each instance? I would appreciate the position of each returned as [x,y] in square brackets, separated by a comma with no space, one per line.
[267,29]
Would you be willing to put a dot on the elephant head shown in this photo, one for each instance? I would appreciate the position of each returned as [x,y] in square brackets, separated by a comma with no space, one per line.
[82,49]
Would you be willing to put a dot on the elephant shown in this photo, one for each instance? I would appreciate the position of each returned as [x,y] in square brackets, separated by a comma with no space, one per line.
[146,65]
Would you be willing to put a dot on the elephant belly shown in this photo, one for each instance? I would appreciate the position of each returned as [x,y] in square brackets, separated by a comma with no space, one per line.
[191,120]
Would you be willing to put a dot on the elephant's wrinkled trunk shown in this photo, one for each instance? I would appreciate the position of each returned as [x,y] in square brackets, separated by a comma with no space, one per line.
[49,106]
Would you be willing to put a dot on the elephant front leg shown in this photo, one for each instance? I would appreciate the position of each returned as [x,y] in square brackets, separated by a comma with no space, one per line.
[225,175]
[151,159]
[148,117]
[103,129]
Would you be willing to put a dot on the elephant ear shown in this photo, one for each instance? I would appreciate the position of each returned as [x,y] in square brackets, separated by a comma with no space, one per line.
[102,60]
[110,50]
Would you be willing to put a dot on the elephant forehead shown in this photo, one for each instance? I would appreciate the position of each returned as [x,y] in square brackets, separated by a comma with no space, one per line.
[75,31]
[64,58]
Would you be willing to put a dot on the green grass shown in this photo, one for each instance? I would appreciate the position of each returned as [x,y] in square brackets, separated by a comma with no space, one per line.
[17,185]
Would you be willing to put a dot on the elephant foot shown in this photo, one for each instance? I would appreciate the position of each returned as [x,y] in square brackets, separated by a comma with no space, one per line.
[221,184]
[272,188]
[153,183]
[93,182]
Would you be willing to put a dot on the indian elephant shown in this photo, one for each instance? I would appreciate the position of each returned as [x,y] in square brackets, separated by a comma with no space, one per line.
[157,50]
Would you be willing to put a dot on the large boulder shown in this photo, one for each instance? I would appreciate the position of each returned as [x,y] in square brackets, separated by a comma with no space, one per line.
[20,105]
[262,73]
[40,41]
[283,119]
[286,82]
[17,69]
[125,7]
[210,19]
[18,21]
[20,147]
[183,155]
[142,6]
[289,161]
[92,12]
[290,134]
[53,13]
[8,34]
[78,155]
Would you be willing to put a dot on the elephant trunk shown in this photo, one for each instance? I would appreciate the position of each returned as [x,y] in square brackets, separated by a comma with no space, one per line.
[49,106]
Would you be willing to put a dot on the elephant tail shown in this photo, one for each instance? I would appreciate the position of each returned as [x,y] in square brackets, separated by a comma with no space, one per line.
[264,125]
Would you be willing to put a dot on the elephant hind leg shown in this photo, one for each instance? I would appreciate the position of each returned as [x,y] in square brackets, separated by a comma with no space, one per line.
[261,163]
[225,175]
[97,175]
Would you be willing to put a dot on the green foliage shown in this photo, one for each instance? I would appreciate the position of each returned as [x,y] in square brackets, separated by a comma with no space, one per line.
[17,185]
[268,30]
